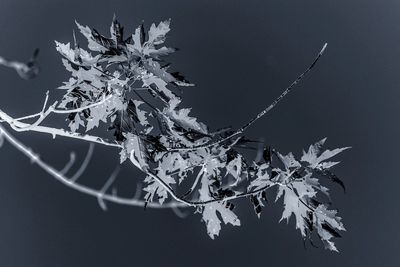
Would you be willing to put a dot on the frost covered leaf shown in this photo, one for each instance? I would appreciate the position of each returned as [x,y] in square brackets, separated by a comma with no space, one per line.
[155,188]
[211,213]
[234,167]
[139,114]
[293,204]
[134,149]
[97,42]
[76,56]
[116,31]
[327,225]
[299,198]
[182,118]
[289,161]
[123,123]
[262,179]
[261,182]
[315,161]
[75,123]
[157,34]
[174,163]
[103,112]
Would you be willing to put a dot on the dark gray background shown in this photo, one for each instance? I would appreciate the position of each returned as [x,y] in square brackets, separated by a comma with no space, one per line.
[241,54]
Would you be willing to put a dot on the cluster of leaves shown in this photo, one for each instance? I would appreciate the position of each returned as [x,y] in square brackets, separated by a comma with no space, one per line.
[164,141]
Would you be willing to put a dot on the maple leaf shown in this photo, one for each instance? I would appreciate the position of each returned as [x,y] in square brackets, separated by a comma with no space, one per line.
[123,122]
[96,41]
[77,56]
[315,161]
[213,222]
[212,211]
[155,188]
[116,31]
[289,161]
[327,224]
[234,167]
[76,122]
[262,180]
[294,203]
[134,149]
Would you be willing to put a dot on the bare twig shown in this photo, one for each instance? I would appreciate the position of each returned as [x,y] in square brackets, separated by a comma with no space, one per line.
[105,187]
[81,188]
[71,162]
[84,164]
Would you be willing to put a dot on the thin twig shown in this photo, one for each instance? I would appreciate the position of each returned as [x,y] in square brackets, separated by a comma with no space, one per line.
[105,187]
[17,125]
[259,115]
[71,162]
[76,110]
[44,113]
[84,165]
[81,188]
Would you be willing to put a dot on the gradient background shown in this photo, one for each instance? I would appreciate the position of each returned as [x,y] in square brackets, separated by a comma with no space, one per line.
[240,54]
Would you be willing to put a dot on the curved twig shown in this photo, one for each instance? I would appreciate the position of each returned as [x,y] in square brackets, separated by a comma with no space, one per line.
[105,187]
[84,165]
[81,188]
[259,115]
[71,162]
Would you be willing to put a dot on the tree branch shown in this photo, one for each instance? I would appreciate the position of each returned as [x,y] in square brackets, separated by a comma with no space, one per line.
[17,126]
[81,188]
